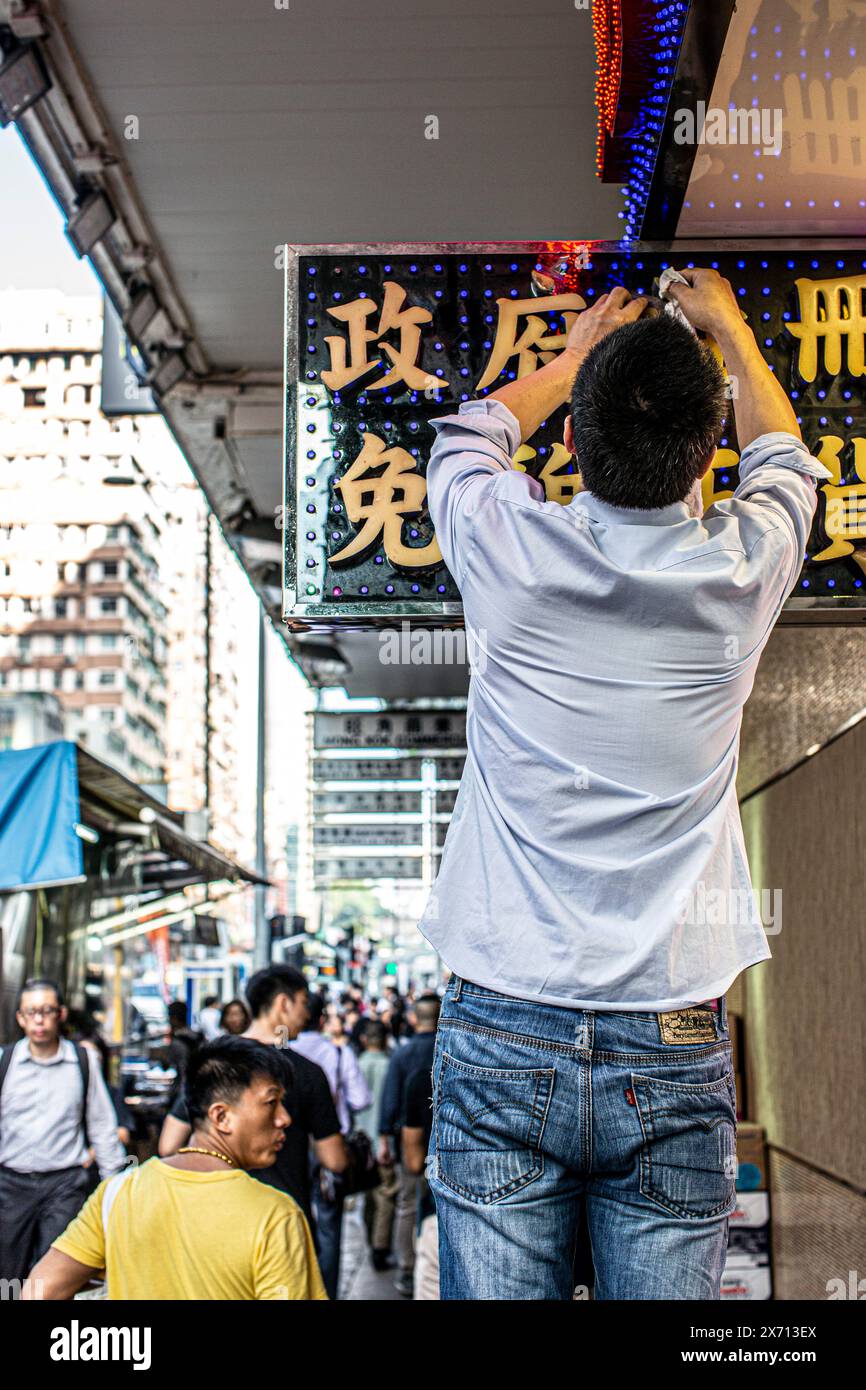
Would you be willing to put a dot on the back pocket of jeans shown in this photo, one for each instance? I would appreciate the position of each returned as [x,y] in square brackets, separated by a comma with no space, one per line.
[688,1159]
[489,1126]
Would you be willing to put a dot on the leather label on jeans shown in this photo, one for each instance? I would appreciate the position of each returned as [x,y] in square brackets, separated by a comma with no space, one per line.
[687,1026]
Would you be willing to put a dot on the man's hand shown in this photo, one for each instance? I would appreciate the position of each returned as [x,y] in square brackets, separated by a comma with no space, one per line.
[708,302]
[609,312]
[761,406]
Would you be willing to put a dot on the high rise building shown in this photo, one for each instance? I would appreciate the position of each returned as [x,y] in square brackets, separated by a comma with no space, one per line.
[82,612]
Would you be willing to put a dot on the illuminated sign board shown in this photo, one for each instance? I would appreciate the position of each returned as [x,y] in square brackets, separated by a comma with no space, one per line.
[382,340]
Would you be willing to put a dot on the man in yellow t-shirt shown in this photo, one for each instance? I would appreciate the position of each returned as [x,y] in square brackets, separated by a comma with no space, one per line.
[196,1225]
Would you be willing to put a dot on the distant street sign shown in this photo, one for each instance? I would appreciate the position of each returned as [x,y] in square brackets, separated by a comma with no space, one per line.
[349,837]
[448,769]
[360,868]
[367,800]
[416,729]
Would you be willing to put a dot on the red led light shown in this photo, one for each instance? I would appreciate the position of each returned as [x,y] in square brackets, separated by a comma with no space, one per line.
[607,32]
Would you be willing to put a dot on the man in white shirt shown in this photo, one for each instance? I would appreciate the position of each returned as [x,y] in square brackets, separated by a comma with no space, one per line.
[54,1107]
[614,642]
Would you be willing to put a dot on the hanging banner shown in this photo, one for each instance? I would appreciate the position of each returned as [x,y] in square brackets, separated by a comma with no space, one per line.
[381,340]
[39,810]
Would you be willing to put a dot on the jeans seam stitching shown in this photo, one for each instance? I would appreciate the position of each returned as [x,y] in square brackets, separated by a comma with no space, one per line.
[571,1050]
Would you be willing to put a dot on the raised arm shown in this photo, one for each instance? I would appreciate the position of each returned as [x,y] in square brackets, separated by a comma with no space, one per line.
[760,403]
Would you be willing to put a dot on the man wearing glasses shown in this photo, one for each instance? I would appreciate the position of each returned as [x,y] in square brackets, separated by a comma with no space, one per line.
[54,1106]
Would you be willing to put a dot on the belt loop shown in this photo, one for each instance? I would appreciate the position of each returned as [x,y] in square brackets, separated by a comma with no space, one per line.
[458,989]
[723,1014]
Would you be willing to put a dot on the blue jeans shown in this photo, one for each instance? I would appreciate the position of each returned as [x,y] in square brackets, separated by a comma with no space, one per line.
[538,1110]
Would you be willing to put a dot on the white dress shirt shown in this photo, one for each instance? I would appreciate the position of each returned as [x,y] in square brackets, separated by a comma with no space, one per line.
[595,857]
[40,1113]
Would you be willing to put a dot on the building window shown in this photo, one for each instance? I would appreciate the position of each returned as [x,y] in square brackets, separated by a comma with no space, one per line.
[61,607]
[112,533]
[108,641]
[58,645]
[58,680]
[108,605]
[106,678]
[109,569]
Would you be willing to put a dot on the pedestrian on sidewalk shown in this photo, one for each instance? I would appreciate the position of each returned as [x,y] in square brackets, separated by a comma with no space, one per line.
[195,1225]
[380,1204]
[416,1054]
[54,1109]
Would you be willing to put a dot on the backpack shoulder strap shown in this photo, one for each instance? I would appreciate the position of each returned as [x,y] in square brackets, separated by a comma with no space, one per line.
[112,1187]
[84,1068]
[5,1062]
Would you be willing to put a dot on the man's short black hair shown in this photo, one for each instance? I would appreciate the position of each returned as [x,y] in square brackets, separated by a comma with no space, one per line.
[315,1009]
[374,1032]
[39,982]
[225,1068]
[266,985]
[647,409]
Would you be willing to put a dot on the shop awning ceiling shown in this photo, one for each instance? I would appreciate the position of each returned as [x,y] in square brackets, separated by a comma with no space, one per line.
[111,801]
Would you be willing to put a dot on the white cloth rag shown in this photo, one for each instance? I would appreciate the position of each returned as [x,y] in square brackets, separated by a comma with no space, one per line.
[667,278]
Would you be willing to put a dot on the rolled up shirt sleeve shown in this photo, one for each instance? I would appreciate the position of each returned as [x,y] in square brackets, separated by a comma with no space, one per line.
[472,450]
[777,474]
[774,502]
[102,1122]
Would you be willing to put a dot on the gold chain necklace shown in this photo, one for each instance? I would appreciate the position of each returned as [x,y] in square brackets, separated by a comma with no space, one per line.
[210,1153]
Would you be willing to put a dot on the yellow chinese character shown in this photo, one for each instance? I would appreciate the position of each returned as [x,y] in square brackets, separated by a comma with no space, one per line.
[845,506]
[832,310]
[380,504]
[406,321]
[558,485]
[536,344]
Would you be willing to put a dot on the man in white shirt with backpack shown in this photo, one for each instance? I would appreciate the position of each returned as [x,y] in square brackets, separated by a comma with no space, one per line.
[54,1108]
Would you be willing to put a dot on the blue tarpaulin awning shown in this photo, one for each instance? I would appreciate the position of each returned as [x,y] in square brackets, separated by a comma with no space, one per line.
[39,810]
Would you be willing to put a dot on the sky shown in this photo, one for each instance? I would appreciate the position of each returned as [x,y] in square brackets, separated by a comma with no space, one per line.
[35,254]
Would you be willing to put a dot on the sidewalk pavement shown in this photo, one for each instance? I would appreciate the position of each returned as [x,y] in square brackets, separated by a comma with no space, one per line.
[359,1281]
